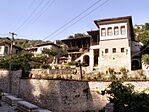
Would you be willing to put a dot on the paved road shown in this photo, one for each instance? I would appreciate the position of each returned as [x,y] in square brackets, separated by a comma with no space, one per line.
[6,108]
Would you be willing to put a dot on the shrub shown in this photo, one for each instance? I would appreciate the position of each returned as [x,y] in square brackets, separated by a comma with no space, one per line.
[141,74]
[100,76]
[125,99]
[72,63]
[45,66]
[124,71]
[145,58]
[112,73]
[111,70]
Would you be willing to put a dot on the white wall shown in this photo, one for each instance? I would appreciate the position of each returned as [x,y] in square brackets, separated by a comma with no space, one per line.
[2,51]
[113,36]
[39,49]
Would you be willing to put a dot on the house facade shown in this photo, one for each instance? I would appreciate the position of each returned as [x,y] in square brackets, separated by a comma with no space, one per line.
[37,50]
[115,46]
[5,49]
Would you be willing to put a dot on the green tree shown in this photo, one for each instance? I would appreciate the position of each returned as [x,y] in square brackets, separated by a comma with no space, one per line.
[49,52]
[56,53]
[142,35]
[40,59]
[146,26]
[78,35]
[125,99]
[18,62]
[145,58]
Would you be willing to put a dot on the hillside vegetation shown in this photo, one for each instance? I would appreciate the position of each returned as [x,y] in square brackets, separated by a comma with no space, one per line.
[24,43]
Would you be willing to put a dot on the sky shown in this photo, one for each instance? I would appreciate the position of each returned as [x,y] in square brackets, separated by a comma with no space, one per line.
[58,19]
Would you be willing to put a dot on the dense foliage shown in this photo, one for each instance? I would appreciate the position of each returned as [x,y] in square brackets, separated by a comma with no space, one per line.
[78,35]
[142,35]
[125,99]
[145,58]
[56,53]
[17,62]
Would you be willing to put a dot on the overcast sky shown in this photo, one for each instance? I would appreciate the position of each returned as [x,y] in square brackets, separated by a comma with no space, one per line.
[57,19]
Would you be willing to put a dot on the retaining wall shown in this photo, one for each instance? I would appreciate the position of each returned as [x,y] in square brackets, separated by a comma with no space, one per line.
[62,95]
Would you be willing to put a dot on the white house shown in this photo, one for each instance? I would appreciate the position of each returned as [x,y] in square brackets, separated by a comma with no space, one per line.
[37,50]
[115,46]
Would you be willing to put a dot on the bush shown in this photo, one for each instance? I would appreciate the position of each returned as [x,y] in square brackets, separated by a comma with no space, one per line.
[45,66]
[17,63]
[125,99]
[72,63]
[124,71]
[145,58]
[111,70]
[100,76]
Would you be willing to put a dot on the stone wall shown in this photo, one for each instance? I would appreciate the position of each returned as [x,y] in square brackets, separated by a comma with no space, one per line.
[44,93]
[62,95]
[5,80]
[70,73]
[75,96]
[69,96]
[16,75]
[57,95]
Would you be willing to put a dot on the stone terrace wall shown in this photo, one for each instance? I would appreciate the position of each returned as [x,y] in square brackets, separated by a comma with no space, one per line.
[69,96]
[57,95]
[44,93]
[62,95]
[16,75]
[75,96]
[70,73]
[4,80]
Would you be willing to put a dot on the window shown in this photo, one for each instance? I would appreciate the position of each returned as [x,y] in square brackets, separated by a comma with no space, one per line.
[116,31]
[106,51]
[17,51]
[114,50]
[122,50]
[6,50]
[109,31]
[123,30]
[103,32]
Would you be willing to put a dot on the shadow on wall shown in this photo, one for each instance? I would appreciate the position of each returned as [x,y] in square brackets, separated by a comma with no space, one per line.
[14,84]
[4,80]
[57,95]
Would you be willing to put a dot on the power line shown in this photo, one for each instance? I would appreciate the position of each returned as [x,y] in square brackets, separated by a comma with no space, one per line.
[31,14]
[26,9]
[140,51]
[73,19]
[45,8]
[83,17]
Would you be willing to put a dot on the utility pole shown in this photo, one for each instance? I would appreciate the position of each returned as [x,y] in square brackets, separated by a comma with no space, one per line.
[10,60]
[80,66]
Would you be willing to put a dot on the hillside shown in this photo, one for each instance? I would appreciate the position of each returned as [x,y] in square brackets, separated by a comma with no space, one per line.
[24,43]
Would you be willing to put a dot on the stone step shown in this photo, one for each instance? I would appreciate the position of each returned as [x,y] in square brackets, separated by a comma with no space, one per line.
[25,106]
[42,110]
[12,100]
